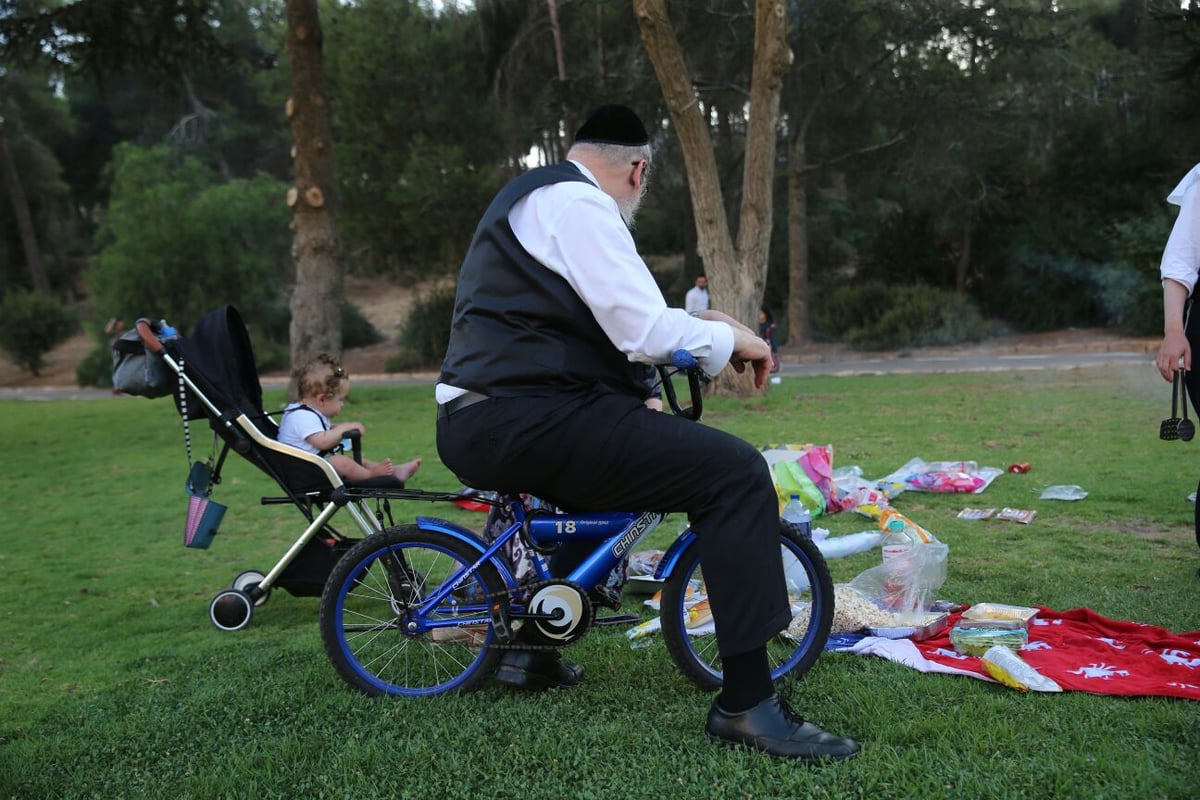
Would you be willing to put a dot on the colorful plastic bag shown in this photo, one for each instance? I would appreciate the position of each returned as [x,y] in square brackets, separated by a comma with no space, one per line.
[204,515]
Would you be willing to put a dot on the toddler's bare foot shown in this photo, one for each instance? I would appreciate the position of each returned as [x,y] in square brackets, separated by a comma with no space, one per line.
[407,469]
[382,468]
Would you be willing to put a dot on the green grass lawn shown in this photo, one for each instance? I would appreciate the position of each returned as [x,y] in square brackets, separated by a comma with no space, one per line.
[114,684]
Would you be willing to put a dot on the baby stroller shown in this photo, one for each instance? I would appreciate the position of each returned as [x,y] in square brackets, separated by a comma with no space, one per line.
[212,376]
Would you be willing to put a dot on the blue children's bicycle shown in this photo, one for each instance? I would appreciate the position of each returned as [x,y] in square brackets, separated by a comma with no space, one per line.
[426,608]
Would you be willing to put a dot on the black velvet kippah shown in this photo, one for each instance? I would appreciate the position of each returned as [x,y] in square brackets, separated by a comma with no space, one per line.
[613,124]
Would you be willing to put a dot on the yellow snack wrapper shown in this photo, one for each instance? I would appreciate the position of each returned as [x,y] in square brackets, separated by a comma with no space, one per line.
[1011,670]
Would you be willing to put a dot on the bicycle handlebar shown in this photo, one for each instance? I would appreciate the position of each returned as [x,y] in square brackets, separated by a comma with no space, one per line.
[683,361]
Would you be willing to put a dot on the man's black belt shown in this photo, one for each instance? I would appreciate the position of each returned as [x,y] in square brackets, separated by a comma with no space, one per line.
[459,403]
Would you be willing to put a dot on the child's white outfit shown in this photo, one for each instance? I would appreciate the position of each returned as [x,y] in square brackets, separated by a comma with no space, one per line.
[298,423]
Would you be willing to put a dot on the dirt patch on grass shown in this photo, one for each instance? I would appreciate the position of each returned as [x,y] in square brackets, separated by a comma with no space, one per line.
[1139,529]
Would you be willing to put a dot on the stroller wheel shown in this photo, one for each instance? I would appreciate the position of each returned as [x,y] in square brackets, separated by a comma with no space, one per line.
[248,581]
[230,610]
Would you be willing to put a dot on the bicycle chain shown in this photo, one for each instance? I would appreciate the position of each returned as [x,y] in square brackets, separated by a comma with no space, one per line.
[532,589]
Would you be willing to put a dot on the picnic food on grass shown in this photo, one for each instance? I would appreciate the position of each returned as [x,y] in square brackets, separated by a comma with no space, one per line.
[699,614]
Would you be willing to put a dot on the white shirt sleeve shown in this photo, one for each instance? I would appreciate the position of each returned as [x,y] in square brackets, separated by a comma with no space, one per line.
[576,231]
[1181,256]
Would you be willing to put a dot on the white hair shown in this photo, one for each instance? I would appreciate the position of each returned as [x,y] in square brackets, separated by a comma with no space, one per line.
[615,155]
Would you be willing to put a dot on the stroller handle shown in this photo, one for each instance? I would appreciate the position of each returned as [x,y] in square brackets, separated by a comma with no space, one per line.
[148,336]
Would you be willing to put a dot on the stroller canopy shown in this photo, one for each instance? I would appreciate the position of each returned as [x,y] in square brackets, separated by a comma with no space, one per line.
[219,359]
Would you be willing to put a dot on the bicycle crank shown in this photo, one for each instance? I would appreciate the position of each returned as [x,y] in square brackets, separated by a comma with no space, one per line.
[559,613]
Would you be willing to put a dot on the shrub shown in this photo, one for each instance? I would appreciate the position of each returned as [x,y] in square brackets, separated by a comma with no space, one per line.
[844,306]
[177,240]
[357,330]
[1041,291]
[1131,299]
[406,360]
[875,316]
[96,367]
[426,331]
[34,324]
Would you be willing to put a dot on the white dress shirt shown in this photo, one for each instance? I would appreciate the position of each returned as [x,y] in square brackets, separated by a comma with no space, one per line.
[575,230]
[1181,256]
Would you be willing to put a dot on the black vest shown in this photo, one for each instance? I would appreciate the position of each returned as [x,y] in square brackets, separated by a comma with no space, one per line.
[519,328]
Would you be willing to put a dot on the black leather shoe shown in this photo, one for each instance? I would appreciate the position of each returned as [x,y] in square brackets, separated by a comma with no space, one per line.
[537,670]
[772,726]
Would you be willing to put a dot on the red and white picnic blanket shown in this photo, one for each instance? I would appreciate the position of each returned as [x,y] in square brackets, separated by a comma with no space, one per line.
[1079,649]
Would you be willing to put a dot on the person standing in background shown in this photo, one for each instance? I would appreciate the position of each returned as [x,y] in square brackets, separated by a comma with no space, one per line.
[766,329]
[697,297]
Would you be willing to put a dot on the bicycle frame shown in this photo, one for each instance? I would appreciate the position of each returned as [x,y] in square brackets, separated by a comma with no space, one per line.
[615,535]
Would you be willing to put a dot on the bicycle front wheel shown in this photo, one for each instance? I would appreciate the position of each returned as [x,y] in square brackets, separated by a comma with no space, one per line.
[690,635]
[381,629]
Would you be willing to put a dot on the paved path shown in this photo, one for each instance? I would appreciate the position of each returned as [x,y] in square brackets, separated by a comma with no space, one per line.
[971,362]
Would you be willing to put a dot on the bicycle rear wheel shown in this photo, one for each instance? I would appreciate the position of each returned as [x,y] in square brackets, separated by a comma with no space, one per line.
[691,639]
[375,633]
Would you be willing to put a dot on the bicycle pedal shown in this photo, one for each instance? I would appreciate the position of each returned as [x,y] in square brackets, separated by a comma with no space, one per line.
[500,623]
[606,596]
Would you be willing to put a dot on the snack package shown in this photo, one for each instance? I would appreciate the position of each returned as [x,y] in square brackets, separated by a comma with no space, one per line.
[644,562]
[977,513]
[639,635]
[1010,669]
[975,637]
[890,514]
[1021,515]
[1000,611]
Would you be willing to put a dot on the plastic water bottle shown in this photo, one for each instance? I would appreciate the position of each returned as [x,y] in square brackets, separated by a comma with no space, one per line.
[796,512]
[166,332]
[898,543]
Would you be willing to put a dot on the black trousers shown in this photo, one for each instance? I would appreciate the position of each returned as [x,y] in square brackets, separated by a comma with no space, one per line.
[1192,381]
[608,452]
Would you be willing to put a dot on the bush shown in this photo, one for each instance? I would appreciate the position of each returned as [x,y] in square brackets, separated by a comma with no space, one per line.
[34,324]
[1130,288]
[177,241]
[96,367]
[1041,291]
[357,330]
[426,332]
[875,316]
[1131,299]
[844,306]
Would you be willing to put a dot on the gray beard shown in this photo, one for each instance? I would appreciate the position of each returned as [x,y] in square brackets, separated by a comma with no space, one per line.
[629,209]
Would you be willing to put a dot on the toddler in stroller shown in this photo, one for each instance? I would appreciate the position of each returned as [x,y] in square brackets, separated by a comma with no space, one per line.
[323,385]
[212,376]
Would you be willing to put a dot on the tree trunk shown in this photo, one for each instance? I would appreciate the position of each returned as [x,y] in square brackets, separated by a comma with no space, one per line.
[559,60]
[20,204]
[772,57]
[798,311]
[736,275]
[965,254]
[317,296]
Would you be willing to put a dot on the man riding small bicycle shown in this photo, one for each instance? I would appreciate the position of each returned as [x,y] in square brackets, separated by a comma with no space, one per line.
[542,391]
